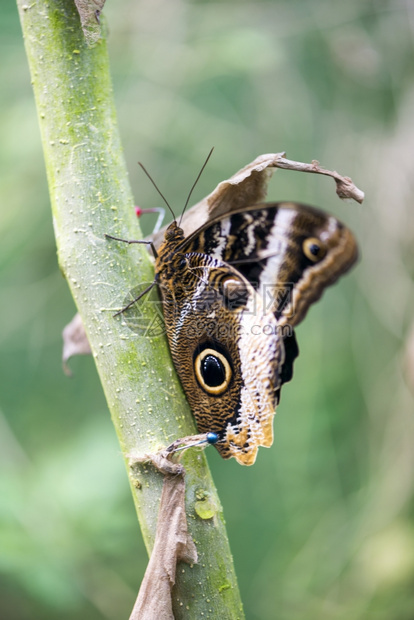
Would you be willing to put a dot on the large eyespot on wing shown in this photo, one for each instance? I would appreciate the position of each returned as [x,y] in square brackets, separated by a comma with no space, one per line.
[212,370]
[313,249]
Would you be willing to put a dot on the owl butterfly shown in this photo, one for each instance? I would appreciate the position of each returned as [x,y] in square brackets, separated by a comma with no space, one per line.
[232,293]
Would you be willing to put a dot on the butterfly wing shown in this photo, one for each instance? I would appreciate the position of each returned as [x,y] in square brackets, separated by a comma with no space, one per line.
[227,352]
[228,291]
[288,252]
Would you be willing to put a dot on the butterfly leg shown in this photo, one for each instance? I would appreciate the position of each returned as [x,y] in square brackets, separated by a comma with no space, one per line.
[192,440]
[143,241]
[162,459]
[134,301]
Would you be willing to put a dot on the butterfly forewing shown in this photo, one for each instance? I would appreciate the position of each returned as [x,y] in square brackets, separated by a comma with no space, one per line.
[271,245]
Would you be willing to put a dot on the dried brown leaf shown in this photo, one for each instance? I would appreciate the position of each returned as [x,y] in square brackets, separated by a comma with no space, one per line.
[75,342]
[172,544]
[89,12]
[345,188]
[249,186]
[408,361]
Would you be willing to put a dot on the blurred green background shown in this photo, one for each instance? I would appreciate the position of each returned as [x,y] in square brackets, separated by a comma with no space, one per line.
[322,526]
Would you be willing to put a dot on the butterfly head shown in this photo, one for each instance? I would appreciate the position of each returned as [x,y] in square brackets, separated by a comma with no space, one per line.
[174,233]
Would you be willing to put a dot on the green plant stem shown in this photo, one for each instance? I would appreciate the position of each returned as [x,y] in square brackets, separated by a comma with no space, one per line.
[90,196]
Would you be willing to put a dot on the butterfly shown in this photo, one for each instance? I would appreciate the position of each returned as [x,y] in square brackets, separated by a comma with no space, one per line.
[232,293]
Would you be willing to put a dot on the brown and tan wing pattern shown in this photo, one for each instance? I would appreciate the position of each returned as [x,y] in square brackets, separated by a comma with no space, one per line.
[288,252]
[229,291]
[226,350]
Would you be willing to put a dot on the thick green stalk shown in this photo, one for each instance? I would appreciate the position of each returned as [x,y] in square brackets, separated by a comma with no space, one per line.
[90,196]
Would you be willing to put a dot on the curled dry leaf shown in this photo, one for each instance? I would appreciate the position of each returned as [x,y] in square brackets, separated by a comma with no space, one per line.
[245,187]
[249,186]
[172,543]
[345,188]
[89,12]
[75,342]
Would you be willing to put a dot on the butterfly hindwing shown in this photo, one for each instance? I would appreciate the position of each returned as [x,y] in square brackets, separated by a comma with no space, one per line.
[227,352]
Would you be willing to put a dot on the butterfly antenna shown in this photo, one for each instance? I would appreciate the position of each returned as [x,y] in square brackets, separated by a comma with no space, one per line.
[157,188]
[194,184]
